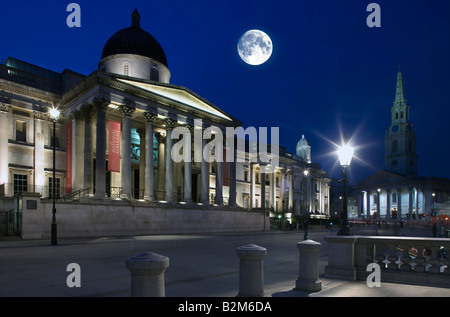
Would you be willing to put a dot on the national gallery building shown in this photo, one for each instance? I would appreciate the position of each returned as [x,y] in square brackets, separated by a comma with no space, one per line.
[113,139]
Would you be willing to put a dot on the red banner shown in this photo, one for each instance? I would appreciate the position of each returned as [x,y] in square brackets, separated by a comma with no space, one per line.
[114,146]
[69,157]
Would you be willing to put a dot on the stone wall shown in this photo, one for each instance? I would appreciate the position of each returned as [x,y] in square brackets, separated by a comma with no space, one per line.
[91,218]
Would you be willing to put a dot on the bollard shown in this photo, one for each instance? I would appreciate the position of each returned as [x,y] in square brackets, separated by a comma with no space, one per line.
[251,275]
[147,274]
[308,275]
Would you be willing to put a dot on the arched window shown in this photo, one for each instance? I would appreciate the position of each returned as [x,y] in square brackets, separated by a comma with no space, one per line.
[396,115]
[154,74]
[394,197]
[126,70]
[394,146]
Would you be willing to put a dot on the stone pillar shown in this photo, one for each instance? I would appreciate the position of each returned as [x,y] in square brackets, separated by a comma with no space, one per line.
[204,175]
[161,157]
[147,274]
[272,189]
[368,204]
[399,203]
[149,186]
[410,202]
[88,113]
[233,189]
[170,124]
[219,182]
[251,270]
[388,204]
[100,148]
[252,186]
[39,160]
[127,113]
[188,167]
[263,186]
[308,270]
[291,191]
[378,205]
[4,125]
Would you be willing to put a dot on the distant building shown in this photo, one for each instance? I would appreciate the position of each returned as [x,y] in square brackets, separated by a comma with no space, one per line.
[397,191]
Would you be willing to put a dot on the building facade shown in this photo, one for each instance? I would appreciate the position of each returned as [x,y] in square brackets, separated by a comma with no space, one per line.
[397,191]
[114,138]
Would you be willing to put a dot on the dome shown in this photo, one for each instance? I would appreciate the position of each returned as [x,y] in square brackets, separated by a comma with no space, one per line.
[134,40]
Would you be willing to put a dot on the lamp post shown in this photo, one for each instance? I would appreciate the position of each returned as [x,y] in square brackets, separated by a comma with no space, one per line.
[54,114]
[345,154]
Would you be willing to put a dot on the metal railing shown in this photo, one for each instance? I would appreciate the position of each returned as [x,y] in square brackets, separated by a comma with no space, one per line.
[10,223]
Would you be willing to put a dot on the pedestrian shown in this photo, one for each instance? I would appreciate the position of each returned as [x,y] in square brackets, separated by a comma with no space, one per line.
[434,229]
[305,229]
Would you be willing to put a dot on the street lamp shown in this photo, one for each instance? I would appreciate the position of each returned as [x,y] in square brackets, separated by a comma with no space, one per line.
[54,114]
[345,154]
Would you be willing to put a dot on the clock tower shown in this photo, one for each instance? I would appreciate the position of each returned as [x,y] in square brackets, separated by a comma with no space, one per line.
[400,140]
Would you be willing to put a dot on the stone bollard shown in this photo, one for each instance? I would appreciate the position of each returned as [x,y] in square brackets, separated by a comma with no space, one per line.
[251,274]
[308,272]
[147,274]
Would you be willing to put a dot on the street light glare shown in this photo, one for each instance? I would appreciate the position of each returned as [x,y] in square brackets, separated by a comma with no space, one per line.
[345,154]
[54,113]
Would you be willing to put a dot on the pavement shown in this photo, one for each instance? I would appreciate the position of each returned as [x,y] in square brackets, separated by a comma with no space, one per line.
[201,265]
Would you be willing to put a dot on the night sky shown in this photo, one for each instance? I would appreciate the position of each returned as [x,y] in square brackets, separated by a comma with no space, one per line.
[329,72]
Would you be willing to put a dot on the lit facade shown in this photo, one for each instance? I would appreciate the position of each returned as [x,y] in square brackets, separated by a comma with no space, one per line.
[113,139]
[397,191]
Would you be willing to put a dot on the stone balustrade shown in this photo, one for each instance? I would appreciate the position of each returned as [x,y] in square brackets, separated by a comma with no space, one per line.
[409,260]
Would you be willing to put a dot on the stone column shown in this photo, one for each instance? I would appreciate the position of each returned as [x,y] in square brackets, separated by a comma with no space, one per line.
[147,274]
[127,113]
[88,114]
[272,189]
[100,148]
[291,190]
[170,124]
[378,205]
[410,202]
[204,175]
[149,187]
[251,270]
[161,157]
[252,186]
[388,204]
[219,182]
[308,276]
[233,189]
[39,160]
[188,167]
[263,186]
[4,171]
[368,204]
[399,203]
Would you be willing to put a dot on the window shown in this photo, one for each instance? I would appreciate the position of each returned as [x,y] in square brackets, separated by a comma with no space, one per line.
[257,177]
[246,176]
[154,74]
[20,183]
[394,197]
[126,70]
[396,115]
[374,199]
[21,131]
[401,115]
[57,187]
[394,147]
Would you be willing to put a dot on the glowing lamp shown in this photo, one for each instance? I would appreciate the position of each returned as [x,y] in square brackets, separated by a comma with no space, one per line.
[345,154]
[54,113]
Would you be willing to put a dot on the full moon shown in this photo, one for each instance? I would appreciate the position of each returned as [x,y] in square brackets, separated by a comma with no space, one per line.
[255,47]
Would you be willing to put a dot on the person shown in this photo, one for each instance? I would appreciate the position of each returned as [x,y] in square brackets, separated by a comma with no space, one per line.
[305,229]
[434,229]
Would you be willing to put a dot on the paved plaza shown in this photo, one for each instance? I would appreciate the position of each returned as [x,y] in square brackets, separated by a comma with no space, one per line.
[200,266]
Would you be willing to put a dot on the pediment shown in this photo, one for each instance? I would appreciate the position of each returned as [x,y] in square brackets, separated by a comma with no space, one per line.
[179,95]
[383,178]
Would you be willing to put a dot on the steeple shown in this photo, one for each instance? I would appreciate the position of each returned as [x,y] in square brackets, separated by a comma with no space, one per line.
[135,19]
[399,93]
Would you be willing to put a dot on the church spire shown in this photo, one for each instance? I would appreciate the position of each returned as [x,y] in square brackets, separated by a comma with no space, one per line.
[399,93]
[135,19]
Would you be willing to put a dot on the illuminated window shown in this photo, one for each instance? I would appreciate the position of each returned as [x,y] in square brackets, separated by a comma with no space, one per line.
[20,183]
[21,131]
[126,70]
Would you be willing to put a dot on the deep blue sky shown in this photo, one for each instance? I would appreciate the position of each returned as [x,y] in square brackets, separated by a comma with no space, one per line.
[329,71]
